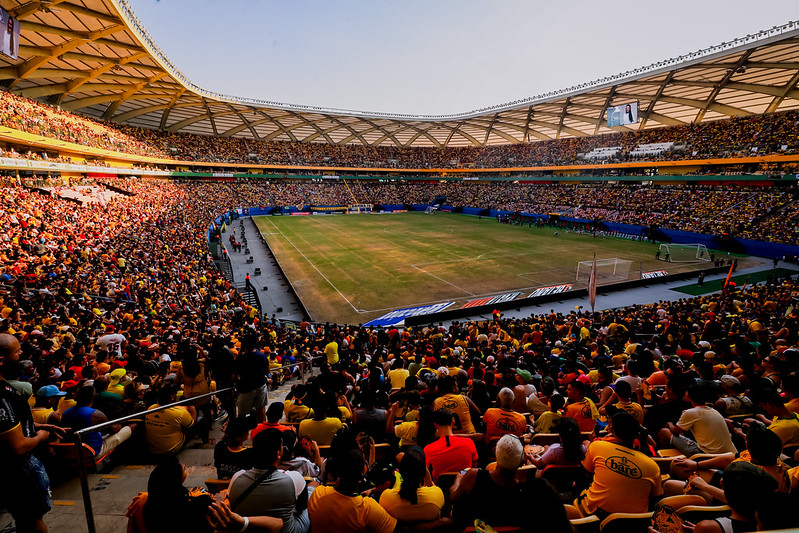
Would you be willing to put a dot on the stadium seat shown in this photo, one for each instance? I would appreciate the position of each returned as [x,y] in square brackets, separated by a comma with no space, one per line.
[669,452]
[589,524]
[697,513]
[215,486]
[66,454]
[626,523]
[545,439]
[568,481]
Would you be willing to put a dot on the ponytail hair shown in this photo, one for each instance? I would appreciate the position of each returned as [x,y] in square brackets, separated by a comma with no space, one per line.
[412,469]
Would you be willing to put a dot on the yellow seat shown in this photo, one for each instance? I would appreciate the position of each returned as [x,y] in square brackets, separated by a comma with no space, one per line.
[588,524]
[626,523]
[216,486]
[697,513]
[669,452]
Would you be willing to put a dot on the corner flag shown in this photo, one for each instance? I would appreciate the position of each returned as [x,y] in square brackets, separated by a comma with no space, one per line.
[592,285]
[729,275]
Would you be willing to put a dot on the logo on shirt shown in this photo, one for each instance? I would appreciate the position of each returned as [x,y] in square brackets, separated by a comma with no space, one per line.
[623,466]
[450,404]
[507,425]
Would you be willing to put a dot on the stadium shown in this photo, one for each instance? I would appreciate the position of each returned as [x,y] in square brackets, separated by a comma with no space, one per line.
[579,307]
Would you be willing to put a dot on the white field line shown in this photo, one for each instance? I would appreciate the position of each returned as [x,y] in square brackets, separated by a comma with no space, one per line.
[471,258]
[443,280]
[417,267]
[315,268]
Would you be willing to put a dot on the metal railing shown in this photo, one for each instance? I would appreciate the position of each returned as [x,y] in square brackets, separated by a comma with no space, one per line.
[83,474]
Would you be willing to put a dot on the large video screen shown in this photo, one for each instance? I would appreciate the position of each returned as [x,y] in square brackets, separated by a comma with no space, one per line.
[9,26]
[624,114]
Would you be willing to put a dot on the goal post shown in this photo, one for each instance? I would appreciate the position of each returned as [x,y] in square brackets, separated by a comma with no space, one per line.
[430,209]
[607,270]
[683,253]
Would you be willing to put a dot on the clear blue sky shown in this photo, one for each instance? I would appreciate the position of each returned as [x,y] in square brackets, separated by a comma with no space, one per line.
[433,56]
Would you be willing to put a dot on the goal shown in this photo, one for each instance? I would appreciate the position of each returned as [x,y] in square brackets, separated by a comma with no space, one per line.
[607,270]
[683,253]
[430,209]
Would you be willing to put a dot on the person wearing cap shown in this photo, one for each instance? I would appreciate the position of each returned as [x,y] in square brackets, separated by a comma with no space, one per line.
[47,399]
[503,419]
[112,342]
[499,499]
[734,402]
[117,380]
[522,390]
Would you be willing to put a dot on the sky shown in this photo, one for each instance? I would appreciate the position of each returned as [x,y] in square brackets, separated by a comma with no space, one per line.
[433,56]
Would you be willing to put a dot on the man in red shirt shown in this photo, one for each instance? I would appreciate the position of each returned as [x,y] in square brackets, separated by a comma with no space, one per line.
[273,415]
[449,453]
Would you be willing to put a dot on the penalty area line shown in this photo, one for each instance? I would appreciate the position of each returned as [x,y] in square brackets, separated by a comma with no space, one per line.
[442,280]
[315,268]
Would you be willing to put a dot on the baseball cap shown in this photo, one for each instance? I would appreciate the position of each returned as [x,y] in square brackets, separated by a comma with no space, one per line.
[730,381]
[524,374]
[49,391]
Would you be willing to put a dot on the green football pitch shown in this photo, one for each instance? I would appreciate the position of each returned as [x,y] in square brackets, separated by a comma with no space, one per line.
[353,268]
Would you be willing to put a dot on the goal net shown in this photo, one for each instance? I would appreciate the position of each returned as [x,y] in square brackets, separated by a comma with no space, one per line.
[431,209]
[683,253]
[607,270]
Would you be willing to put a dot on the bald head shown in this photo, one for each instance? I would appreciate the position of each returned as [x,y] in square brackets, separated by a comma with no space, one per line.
[9,346]
[9,351]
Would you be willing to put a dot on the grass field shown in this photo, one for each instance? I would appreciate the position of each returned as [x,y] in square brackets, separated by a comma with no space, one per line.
[349,268]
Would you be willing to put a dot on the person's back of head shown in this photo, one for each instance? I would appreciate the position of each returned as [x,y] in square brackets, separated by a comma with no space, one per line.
[763,444]
[166,496]
[627,429]
[267,446]
[623,390]
[85,396]
[570,439]
[509,453]
[442,417]
[446,385]
[699,393]
[746,487]
[777,512]
[166,395]
[101,383]
[506,398]
[556,402]
[349,467]
[548,385]
[412,469]
[237,430]
[274,412]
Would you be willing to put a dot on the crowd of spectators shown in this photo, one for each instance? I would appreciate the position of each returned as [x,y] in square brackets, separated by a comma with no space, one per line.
[735,137]
[110,309]
[748,212]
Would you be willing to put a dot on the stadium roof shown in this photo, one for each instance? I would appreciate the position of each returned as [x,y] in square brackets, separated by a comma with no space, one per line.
[94,57]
